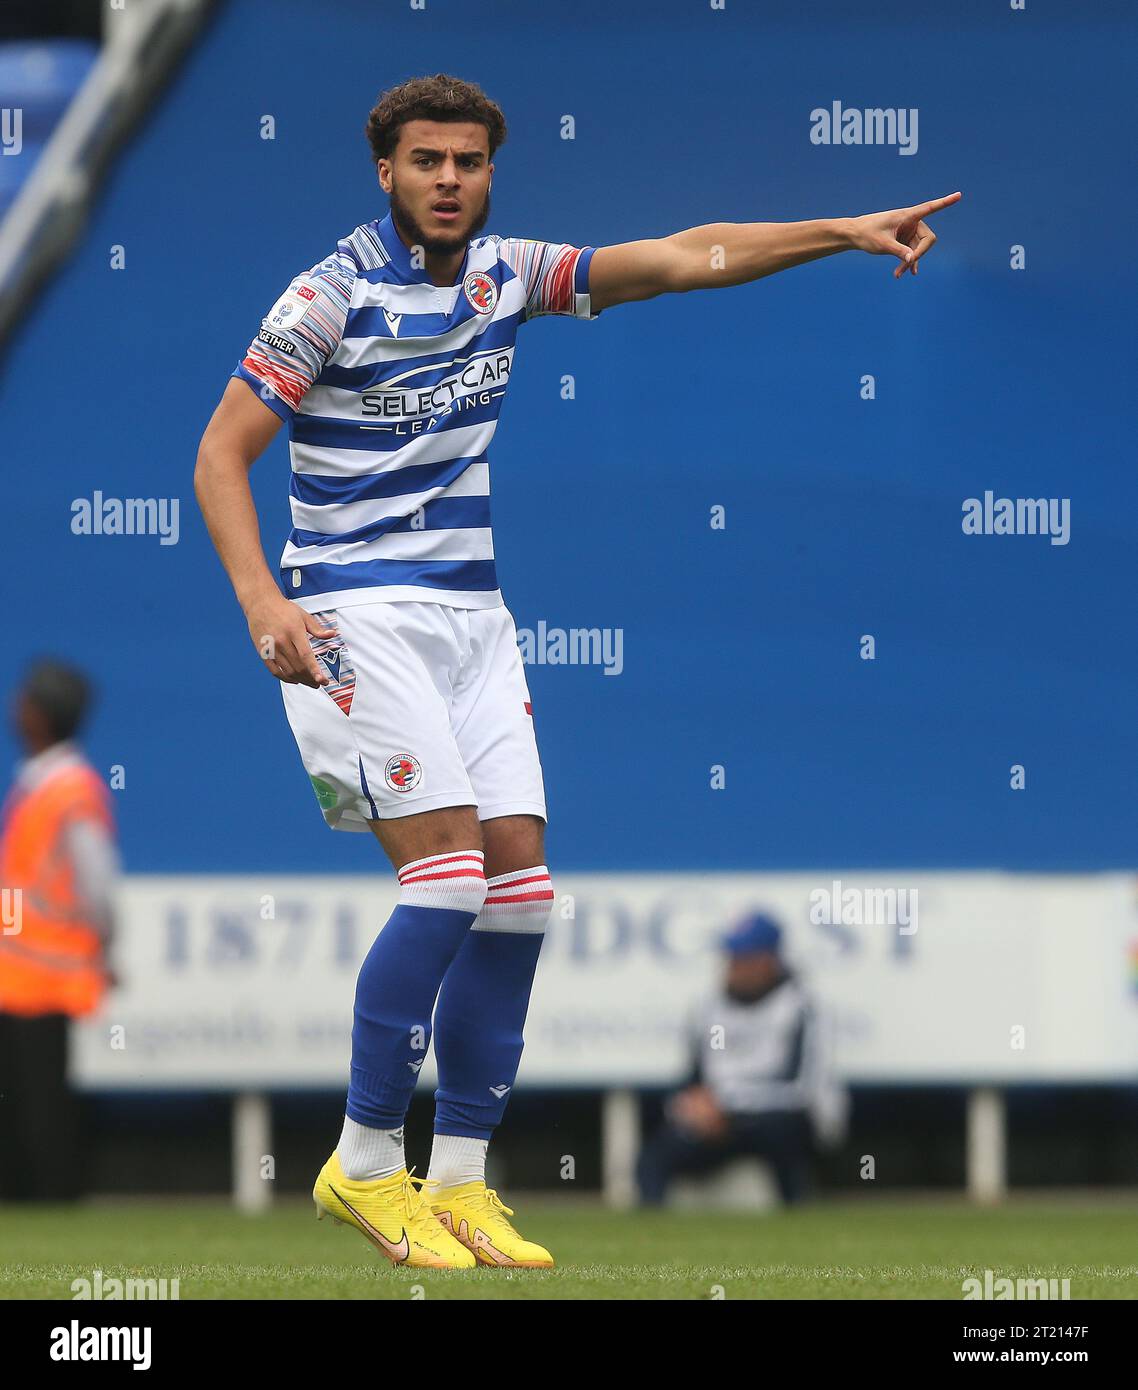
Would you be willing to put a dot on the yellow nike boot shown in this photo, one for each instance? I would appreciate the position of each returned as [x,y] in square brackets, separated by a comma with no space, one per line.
[393,1214]
[476,1215]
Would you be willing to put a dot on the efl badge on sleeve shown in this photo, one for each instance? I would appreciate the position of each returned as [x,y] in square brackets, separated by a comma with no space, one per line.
[292,306]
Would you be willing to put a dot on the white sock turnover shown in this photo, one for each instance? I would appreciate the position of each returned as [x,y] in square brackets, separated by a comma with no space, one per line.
[456,1160]
[367,1154]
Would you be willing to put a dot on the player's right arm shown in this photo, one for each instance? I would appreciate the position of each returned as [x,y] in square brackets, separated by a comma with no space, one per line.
[240,431]
[296,338]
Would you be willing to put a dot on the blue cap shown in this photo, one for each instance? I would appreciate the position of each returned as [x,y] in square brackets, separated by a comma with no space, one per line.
[755,933]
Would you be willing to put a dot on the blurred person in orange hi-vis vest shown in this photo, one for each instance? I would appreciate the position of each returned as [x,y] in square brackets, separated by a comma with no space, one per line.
[59,869]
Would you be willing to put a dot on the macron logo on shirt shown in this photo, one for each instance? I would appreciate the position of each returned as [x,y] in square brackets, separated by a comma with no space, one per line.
[393,322]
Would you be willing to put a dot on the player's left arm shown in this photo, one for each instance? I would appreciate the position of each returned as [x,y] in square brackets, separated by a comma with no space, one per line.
[734,253]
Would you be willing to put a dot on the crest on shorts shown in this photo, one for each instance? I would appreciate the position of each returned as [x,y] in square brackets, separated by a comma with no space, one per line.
[403,772]
[481,292]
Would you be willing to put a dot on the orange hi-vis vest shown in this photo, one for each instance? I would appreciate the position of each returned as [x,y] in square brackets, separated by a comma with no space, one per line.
[51,959]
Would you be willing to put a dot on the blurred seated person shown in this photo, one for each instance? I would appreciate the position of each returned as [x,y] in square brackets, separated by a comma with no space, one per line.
[760,1083]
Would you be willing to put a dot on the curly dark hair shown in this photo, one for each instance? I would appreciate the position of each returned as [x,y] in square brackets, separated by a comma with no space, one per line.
[437,98]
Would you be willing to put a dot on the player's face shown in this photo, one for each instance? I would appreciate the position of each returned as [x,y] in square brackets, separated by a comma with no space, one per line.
[439,183]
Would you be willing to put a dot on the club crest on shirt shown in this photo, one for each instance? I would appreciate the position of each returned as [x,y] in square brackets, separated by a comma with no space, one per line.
[403,772]
[481,292]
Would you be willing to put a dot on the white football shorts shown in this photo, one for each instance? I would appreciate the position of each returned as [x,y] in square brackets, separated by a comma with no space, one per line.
[427,706]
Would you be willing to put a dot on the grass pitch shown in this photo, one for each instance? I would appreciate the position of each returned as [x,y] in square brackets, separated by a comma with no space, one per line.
[868,1249]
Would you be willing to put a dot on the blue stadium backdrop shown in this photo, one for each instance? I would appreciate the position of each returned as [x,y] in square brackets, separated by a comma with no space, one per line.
[843,515]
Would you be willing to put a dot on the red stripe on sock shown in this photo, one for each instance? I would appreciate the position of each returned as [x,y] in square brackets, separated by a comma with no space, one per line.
[437,878]
[432,859]
[521,898]
[435,860]
[496,887]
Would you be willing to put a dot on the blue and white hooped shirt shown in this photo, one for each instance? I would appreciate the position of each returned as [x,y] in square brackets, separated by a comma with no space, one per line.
[391,387]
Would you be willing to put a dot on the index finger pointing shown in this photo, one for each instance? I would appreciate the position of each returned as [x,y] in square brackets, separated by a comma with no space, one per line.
[927,209]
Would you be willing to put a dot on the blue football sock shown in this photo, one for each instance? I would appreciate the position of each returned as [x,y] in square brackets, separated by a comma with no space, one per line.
[399,981]
[483,1003]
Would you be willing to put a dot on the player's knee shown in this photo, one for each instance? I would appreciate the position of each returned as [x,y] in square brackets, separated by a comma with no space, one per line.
[424,833]
[512,840]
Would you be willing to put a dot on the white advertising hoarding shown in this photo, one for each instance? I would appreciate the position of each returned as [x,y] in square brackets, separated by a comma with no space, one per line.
[247,982]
